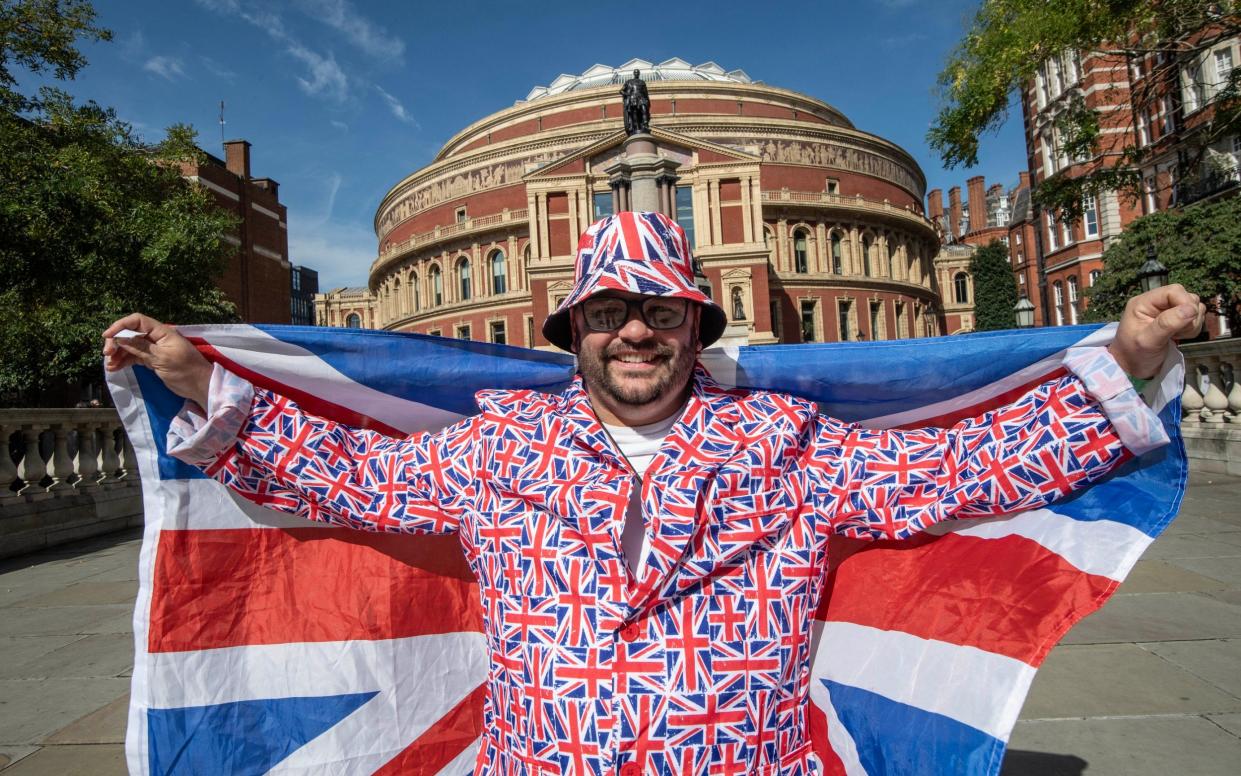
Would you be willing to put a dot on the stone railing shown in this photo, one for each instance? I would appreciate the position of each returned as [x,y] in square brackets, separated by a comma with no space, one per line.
[65,474]
[468,226]
[856,203]
[1211,405]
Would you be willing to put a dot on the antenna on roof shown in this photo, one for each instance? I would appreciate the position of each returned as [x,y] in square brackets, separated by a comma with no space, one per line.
[221,123]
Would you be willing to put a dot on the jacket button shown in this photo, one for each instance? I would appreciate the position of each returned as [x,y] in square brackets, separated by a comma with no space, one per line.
[631,769]
[630,633]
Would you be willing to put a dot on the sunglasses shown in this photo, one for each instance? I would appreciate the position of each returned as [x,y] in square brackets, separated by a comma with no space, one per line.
[609,313]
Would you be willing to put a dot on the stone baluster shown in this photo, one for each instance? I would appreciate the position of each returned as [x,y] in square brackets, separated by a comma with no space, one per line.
[8,469]
[1191,404]
[111,463]
[62,462]
[1234,401]
[1214,399]
[88,457]
[32,469]
[129,462]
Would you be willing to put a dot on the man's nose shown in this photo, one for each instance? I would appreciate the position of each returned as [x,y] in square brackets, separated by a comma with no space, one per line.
[635,327]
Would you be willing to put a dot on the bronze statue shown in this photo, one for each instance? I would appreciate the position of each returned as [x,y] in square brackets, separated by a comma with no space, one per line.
[637,105]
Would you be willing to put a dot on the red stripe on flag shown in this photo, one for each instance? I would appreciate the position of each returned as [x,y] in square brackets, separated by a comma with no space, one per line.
[1011,596]
[443,741]
[308,402]
[984,405]
[816,728]
[236,587]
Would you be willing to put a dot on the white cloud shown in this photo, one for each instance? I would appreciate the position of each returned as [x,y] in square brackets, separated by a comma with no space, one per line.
[325,77]
[341,252]
[342,126]
[370,38]
[220,6]
[216,69]
[168,68]
[396,107]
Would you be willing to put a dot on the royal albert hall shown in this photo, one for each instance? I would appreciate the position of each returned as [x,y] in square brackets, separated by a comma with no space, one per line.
[805,227]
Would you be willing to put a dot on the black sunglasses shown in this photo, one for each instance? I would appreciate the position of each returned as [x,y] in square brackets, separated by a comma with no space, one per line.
[609,313]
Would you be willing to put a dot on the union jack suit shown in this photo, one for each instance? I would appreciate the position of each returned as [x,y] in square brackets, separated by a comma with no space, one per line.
[701,665]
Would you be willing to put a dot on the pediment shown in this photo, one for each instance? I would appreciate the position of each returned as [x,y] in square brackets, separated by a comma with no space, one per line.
[673,144]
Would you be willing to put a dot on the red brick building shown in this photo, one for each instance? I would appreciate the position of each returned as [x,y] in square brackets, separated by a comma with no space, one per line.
[806,228]
[257,278]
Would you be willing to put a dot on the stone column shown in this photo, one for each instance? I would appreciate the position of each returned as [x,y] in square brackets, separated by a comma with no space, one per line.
[544,248]
[717,232]
[532,220]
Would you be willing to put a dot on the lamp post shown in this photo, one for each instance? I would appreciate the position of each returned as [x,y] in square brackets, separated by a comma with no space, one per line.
[1025,313]
[1152,274]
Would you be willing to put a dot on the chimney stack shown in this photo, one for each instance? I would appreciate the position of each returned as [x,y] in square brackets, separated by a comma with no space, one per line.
[954,212]
[935,204]
[1023,179]
[237,158]
[976,187]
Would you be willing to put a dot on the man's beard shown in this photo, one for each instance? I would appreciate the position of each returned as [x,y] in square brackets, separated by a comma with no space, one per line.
[675,364]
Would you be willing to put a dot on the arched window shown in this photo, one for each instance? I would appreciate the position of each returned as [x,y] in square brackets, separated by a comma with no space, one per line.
[867,242]
[738,304]
[414,294]
[397,298]
[437,286]
[463,278]
[1058,297]
[1094,276]
[800,263]
[891,259]
[836,262]
[354,321]
[1073,299]
[961,288]
[499,273]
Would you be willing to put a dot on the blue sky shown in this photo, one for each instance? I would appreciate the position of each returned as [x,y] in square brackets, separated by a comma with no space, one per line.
[342,98]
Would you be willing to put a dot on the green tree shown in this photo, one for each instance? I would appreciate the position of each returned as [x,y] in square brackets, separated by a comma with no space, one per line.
[94,223]
[1201,247]
[995,291]
[1009,40]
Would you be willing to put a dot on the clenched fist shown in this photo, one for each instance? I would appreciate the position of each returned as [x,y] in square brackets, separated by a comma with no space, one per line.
[1149,323]
[161,349]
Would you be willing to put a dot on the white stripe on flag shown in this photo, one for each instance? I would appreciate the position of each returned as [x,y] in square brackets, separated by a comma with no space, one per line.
[1102,547]
[961,685]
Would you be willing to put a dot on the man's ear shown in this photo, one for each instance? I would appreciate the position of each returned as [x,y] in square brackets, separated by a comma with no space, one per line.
[573,331]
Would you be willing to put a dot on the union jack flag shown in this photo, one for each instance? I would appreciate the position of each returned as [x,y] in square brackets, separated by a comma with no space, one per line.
[269,644]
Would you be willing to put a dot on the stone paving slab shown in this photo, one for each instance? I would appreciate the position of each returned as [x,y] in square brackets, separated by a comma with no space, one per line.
[88,592]
[1226,570]
[1160,576]
[1229,722]
[32,710]
[97,655]
[1096,680]
[93,760]
[1158,617]
[104,726]
[1138,746]
[1214,661]
[60,620]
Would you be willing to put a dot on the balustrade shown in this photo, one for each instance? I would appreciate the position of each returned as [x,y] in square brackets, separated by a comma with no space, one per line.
[1212,395]
[46,453]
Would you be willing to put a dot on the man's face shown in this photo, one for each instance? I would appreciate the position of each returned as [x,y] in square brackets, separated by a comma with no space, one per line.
[637,367]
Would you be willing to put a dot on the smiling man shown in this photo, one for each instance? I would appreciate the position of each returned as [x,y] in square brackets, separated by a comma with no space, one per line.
[650,547]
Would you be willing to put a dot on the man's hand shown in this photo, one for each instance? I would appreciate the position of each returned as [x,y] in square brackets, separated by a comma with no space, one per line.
[1149,323]
[162,350]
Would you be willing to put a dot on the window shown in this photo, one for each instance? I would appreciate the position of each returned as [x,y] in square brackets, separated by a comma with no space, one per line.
[463,331]
[353,321]
[1223,68]
[777,322]
[961,288]
[738,304]
[1052,236]
[1148,187]
[685,212]
[529,331]
[497,332]
[1090,217]
[1058,297]
[461,215]
[833,186]
[415,295]
[836,263]
[900,320]
[891,259]
[843,308]
[1144,127]
[1073,300]
[463,277]
[1168,125]
[1066,234]
[499,273]
[434,332]
[1094,276]
[866,243]
[800,264]
[1195,88]
[807,320]
[876,320]
[1017,237]
[437,286]
[601,203]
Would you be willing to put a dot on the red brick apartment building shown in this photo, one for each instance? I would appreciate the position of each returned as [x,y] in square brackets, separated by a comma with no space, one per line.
[257,278]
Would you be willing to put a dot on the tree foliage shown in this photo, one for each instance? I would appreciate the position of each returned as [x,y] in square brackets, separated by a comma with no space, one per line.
[995,291]
[1201,247]
[94,223]
[1009,40]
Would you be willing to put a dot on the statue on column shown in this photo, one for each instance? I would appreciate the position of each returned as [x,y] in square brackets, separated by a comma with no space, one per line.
[637,105]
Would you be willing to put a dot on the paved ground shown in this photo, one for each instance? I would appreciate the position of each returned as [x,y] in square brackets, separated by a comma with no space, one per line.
[1150,686]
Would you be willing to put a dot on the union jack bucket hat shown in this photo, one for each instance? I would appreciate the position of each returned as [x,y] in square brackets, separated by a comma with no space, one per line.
[642,253]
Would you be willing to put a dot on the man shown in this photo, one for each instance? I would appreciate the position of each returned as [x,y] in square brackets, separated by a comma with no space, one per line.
[637,103]
[649,547]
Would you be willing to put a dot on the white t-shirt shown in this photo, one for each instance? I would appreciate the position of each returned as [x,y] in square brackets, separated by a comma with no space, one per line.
[640,445]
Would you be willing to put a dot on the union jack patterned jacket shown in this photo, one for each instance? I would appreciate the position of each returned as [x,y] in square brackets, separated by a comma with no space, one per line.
[702,664]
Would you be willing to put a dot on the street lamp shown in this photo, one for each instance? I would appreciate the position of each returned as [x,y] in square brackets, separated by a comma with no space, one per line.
[1152,274]
[1025,313]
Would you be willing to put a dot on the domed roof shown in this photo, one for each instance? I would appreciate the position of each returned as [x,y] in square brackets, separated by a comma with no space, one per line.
[669,70]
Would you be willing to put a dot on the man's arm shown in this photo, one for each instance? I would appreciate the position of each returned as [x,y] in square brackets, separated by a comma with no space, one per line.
[266,449]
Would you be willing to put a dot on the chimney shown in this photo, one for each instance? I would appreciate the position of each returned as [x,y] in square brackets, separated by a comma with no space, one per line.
[1023,179]
[237,158]
[935,204]
[977,203]
[954,212]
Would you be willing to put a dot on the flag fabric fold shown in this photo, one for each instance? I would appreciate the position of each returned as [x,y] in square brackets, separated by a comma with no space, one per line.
[269,644]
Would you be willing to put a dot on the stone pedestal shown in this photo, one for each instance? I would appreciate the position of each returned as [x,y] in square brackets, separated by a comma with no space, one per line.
[641,179]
